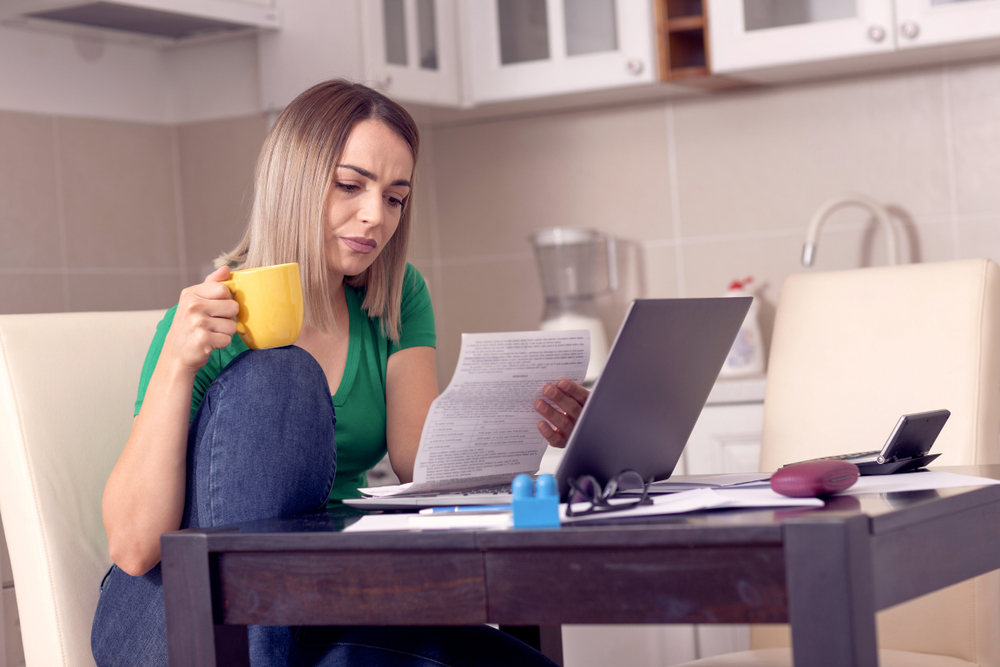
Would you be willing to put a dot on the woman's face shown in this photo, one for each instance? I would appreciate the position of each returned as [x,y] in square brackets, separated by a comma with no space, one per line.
[371,184]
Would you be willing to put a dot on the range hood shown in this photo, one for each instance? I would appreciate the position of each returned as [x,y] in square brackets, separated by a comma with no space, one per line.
[156,21]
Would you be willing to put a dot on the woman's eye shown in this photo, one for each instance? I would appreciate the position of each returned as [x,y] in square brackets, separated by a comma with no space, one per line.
[348,187]
[394,202]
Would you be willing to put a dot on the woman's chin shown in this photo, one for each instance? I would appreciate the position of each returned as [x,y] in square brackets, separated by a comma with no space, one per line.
[351,269]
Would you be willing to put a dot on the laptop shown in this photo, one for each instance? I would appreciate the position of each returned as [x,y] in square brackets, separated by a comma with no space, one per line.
[644,405]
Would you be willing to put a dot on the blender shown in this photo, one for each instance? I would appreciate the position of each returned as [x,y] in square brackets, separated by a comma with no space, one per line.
[576,266]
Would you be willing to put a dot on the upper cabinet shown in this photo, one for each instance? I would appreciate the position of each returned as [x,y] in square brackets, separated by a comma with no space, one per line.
[468,52]
[411,49]
[529,48]
[930,22]
[749,37]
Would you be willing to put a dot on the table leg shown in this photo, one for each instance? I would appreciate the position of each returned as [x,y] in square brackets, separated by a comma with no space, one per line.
[194,639]
[831,601]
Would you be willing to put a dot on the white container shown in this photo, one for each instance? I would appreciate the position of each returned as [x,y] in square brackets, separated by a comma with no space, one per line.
[746,357]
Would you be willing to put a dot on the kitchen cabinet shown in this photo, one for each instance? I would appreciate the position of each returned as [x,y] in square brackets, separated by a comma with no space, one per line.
[726,438]
[513,49]
[759,38]
[938,22]
[411,49]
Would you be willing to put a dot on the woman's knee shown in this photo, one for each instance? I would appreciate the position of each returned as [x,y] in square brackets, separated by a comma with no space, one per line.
[275,373]
[262,444]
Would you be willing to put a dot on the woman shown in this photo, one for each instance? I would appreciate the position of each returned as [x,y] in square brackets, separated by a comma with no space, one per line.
[223,435]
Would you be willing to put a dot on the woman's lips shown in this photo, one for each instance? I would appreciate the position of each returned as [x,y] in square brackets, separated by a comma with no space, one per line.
[359,243]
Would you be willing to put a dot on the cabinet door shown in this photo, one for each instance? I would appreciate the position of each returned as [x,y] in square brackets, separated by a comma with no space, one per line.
[725,439]
[410,49]
[532,48]
[928,22]
[752,34]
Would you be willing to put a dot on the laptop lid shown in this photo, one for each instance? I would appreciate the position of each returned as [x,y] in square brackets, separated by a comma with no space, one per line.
[643,407]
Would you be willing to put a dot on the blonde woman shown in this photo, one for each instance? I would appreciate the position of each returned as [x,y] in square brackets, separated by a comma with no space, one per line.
[223,434]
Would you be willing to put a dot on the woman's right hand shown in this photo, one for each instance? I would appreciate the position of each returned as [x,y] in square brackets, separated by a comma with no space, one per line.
[203,322]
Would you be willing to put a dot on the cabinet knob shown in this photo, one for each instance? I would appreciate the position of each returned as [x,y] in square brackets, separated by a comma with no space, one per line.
[876,33]
[634,66]
[909,29]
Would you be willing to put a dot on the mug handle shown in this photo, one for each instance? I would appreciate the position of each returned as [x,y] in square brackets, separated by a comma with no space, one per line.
[240,329]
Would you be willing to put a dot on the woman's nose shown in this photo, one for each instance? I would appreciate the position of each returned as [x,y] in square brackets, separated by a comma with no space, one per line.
[371,209]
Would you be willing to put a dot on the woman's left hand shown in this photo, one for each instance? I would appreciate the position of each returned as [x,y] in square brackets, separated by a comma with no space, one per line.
[561,410]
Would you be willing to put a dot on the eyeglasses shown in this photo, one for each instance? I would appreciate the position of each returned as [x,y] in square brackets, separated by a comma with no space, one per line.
[587,491]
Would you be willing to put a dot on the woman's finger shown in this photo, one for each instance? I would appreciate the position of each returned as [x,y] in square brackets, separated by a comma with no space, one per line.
[553,436]
[565,401]
[559,419]
[574,390]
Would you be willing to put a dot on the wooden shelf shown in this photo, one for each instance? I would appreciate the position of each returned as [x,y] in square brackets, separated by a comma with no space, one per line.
[686,23]
[683,45]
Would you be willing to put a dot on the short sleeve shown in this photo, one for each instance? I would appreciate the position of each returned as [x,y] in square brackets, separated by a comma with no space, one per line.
[153,355]
[417,316]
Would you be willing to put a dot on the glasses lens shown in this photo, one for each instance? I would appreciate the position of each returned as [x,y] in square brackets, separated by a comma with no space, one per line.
[629,480]
[584,489]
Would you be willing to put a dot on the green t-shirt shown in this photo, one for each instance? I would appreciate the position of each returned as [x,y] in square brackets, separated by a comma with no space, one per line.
[359,401]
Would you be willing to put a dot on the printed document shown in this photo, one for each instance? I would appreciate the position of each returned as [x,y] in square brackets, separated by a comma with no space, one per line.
[482,430]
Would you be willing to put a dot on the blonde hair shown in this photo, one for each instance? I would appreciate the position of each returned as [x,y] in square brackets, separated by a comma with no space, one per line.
[294,175]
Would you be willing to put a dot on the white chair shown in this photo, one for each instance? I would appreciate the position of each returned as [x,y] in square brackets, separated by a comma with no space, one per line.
[67,388]
[853,350]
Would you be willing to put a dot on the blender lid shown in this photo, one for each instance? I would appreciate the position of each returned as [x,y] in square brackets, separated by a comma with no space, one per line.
[564,236]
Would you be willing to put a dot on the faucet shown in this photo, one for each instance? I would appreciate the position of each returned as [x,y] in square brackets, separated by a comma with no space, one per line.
[850,199]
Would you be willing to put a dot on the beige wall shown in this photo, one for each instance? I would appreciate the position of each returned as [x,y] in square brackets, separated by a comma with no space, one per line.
[119,215]
[115,215]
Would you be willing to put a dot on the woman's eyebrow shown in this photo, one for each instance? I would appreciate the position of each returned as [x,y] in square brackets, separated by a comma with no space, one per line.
[367,174]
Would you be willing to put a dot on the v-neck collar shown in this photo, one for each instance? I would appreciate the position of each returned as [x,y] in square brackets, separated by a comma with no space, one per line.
[353,347]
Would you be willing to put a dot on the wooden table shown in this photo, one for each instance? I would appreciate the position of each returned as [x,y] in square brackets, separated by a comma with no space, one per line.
[826,571]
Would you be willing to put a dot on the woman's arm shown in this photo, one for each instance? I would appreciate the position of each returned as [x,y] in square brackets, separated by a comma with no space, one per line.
[410,388]
[144,495]
[567,399]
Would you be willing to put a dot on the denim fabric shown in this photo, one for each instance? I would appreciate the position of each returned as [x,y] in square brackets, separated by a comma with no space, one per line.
[261,445]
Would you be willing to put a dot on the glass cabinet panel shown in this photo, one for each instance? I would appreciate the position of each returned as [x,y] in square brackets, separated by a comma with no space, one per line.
[410,49]
[427,34]
[524,31]
[590,26]
[767,14]
[395,32]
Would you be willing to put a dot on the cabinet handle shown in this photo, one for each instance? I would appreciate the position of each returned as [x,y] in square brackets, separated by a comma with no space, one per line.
[876,33]
[909,29]
[384,81]
[634,66]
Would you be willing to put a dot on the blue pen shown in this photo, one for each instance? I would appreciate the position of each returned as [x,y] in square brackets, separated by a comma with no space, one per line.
[473,509]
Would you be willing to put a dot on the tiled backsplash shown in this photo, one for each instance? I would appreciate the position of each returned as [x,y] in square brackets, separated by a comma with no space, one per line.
[116,215]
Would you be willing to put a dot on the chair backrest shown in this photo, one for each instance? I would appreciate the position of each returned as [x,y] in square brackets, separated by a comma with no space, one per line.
[67,386]
[854,350]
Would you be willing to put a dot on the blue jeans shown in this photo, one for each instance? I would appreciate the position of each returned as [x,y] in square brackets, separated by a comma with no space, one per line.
[262,445]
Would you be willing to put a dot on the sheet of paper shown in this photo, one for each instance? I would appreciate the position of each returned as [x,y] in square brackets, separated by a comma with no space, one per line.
[383,522]
[482,429]
[924,480]
[701,499]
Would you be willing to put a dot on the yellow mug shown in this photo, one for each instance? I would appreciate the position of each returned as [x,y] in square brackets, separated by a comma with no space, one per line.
[271,305]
